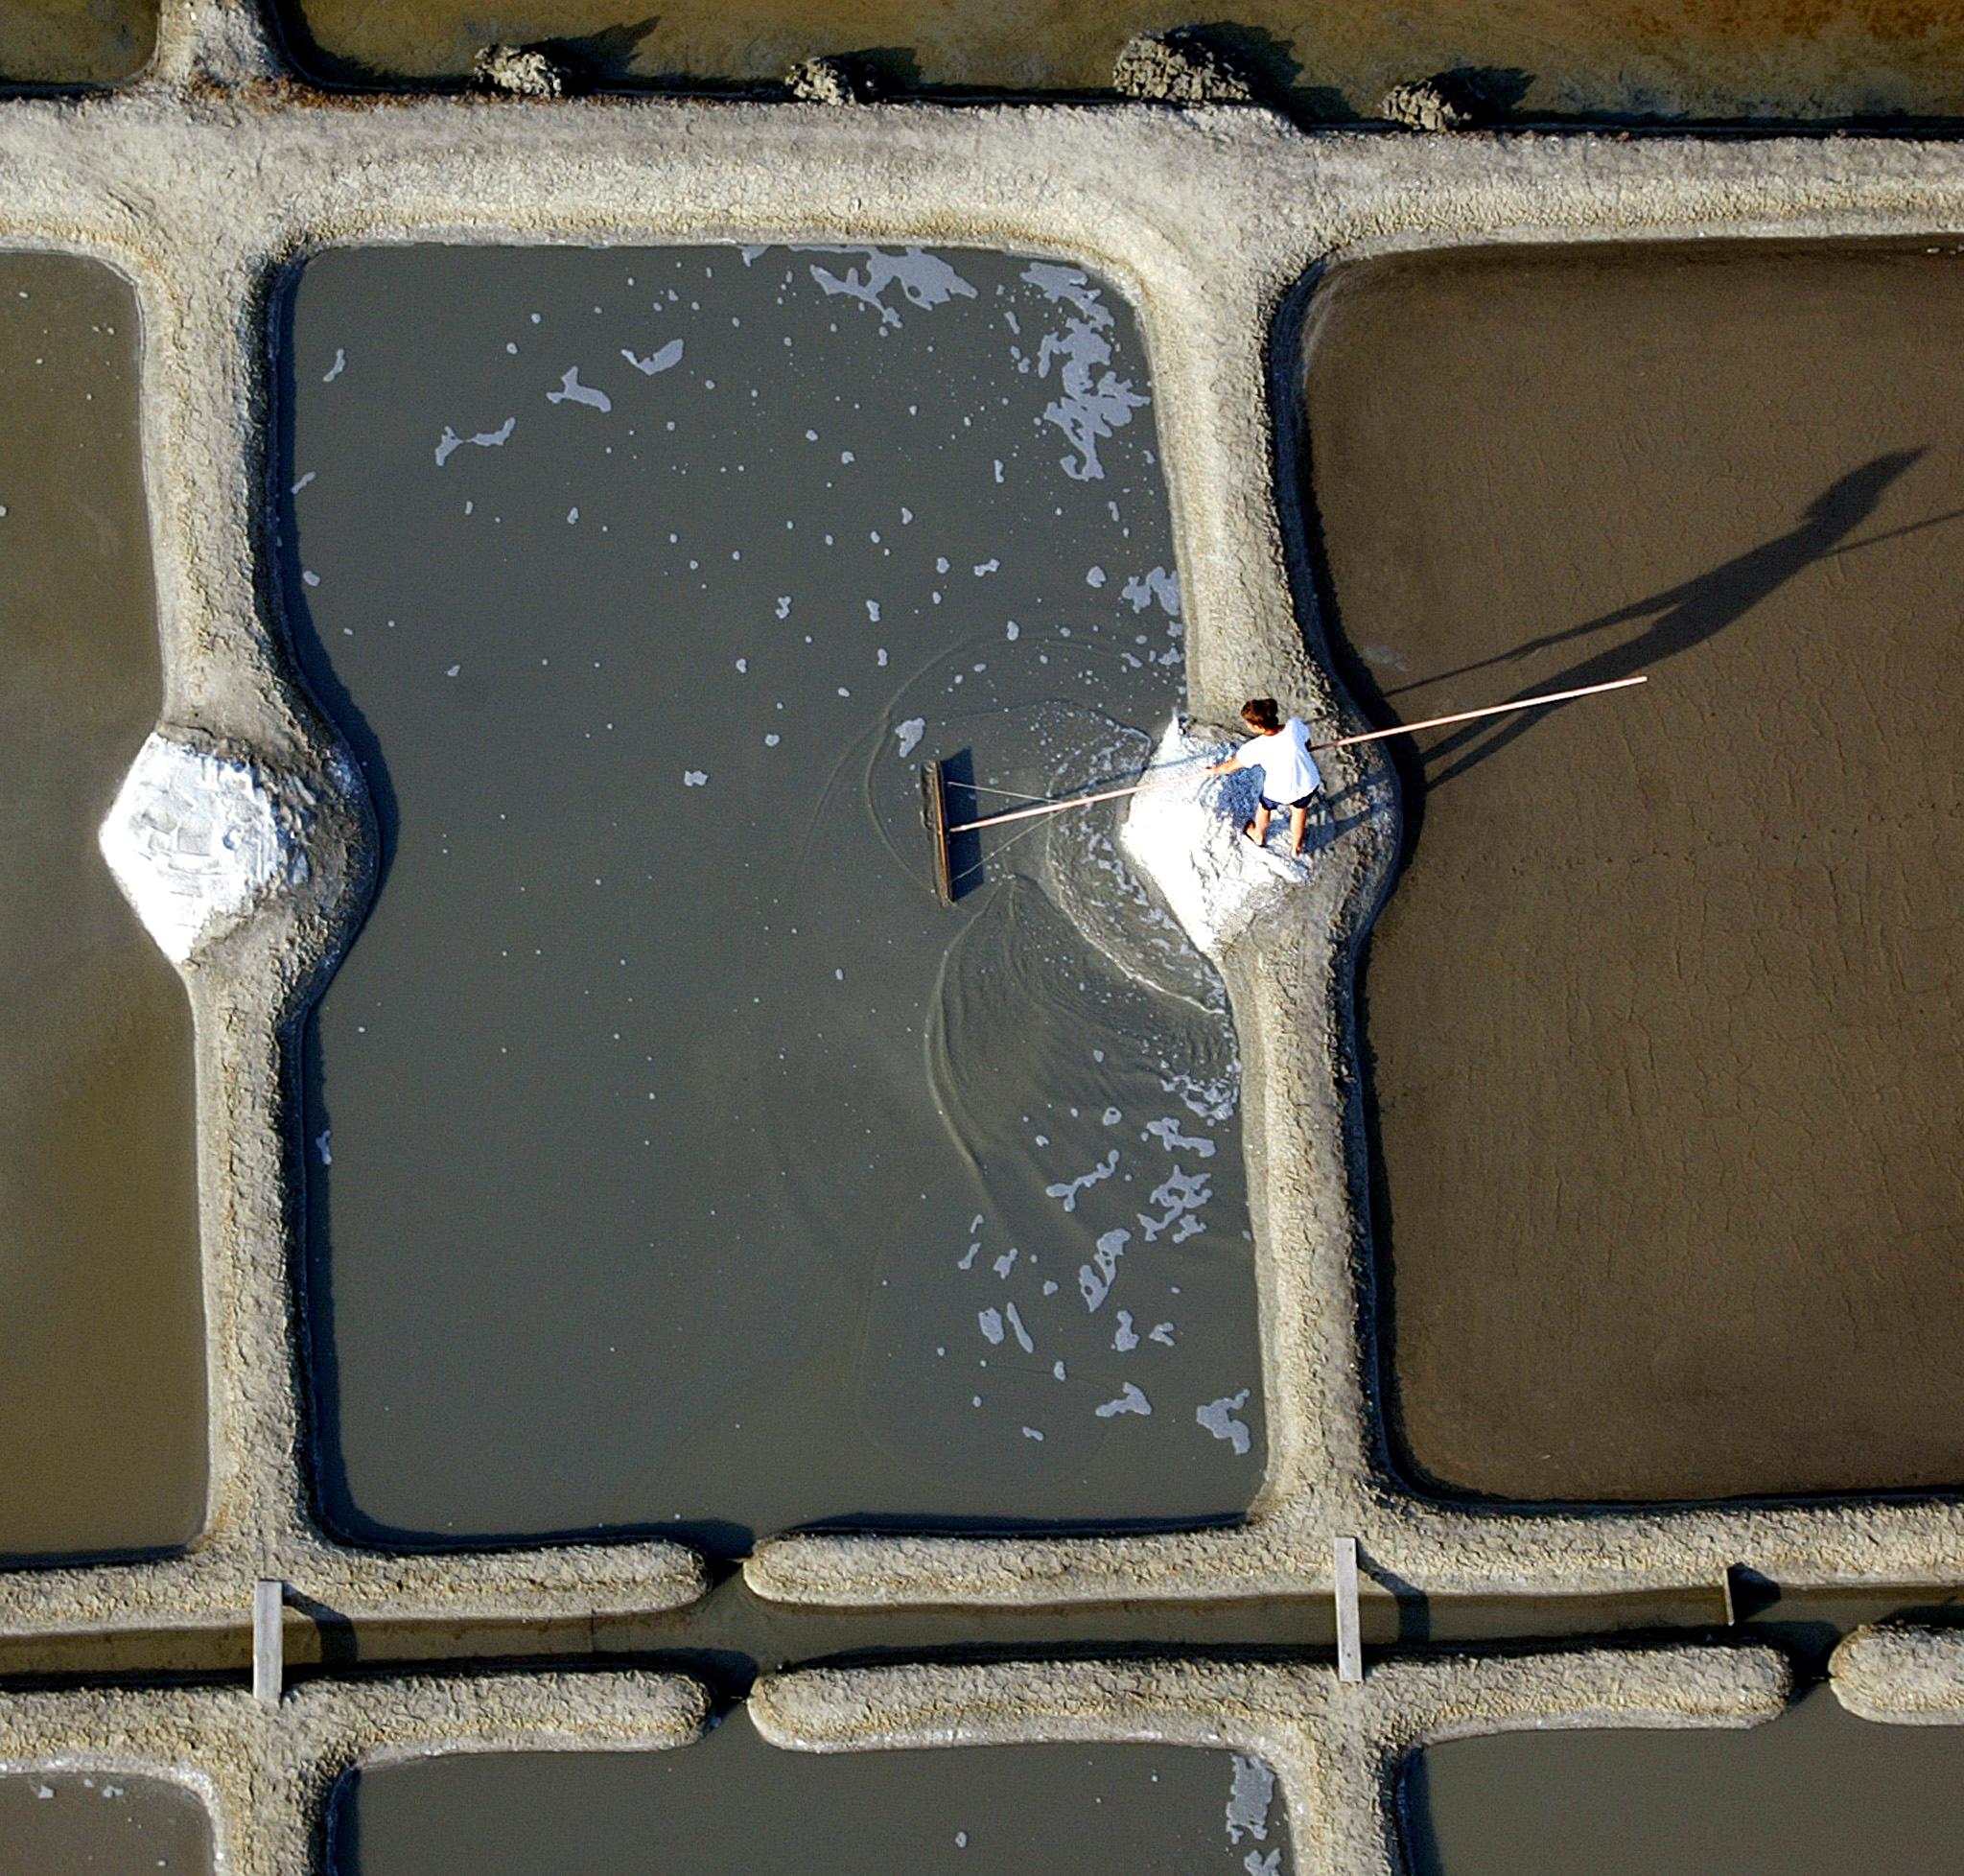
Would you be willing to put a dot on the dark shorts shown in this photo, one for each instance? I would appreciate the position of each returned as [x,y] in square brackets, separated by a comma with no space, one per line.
[1275,806]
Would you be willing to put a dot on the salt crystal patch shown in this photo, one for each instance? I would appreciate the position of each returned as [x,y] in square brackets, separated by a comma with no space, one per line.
[1132,1401]
[696,778]
[1218,1418]
[909,735]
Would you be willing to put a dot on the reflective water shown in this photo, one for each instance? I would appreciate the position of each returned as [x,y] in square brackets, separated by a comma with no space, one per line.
[672,1158]
[732,1803]
[74,41]
[1817,1789]
[97,1823]
[101,1356]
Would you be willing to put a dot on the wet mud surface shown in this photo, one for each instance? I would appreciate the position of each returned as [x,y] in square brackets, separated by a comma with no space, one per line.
[101,1357]
[1815,1790]
[1683,58]
[673,1160]
[732,1803]
[64,42]
[78,1823]
[1662,1015]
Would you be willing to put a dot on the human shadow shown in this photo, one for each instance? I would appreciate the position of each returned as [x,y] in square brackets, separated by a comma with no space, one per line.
[1682,616]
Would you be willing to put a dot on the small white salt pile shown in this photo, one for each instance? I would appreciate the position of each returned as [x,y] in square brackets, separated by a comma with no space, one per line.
[1186,838]
[193,840]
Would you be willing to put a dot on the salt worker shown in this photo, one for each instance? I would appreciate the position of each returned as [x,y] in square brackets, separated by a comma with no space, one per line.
[1290,776]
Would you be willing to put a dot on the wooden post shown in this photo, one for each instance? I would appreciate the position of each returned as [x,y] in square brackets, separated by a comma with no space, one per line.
[269,1647]
[1349,1641]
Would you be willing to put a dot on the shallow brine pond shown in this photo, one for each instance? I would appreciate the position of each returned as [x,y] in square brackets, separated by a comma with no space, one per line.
[672,1158]
[68,42]
[1815,1791]
[1677,59]
[732,1803]
[1663,1014]
[98,1823]
[102,1354]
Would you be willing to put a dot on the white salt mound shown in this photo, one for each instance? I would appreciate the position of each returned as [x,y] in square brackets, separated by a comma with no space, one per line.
[1186,839]
[194,840]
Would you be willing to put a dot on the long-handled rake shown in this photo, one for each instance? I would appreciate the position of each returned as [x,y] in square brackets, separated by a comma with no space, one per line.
[934,785]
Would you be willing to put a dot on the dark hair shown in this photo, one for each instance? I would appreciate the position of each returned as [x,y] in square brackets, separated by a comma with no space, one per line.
[1260,713]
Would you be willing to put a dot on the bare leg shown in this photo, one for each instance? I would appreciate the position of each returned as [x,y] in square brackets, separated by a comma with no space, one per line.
[1299,828]
[1257,829]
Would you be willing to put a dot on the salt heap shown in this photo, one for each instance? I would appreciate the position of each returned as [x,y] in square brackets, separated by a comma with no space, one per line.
[1186,839]
[195,839]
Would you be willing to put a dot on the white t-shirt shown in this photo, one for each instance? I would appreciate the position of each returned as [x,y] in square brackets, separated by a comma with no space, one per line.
[1288,771]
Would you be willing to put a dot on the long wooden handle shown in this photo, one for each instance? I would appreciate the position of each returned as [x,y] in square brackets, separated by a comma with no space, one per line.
[1341,742]
[1488,710]
[1076,801]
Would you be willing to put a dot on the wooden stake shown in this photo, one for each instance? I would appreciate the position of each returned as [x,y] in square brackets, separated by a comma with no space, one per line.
[268,1644]
[1341,742]
[1349,1634]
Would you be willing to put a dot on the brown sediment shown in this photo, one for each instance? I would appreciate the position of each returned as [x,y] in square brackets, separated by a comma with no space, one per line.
[1694,59]
[1662,1011]
[107,1823]
[1817,1789]
[63,42]
[102,1359]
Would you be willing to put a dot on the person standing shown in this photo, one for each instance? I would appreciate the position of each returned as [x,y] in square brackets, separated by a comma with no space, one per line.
[1290,776]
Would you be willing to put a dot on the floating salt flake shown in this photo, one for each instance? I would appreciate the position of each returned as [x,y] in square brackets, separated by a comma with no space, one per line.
[307,575]
[772,741]
[1092,400]
[1022,1335]
[571,391]
[449,442]
[1125,1338]
[660,360]
[1095,1278]
[989,1322]
[1029,1433]
[1069,1190]
[1132,1400]
[909,735]
[1095,577]
[323,1144]
[872,615]
[295,490]
[1218,1418]
[988,567]
[924,280]
[339,364]
[1141,589]
[453,671]
[784,605]
[1166,1132]
[696,778]
[1249,1796]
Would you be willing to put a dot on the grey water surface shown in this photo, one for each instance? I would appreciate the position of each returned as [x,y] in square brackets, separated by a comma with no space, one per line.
[1815,1790]
[732,1802]
[98,1823]
[673,1158]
